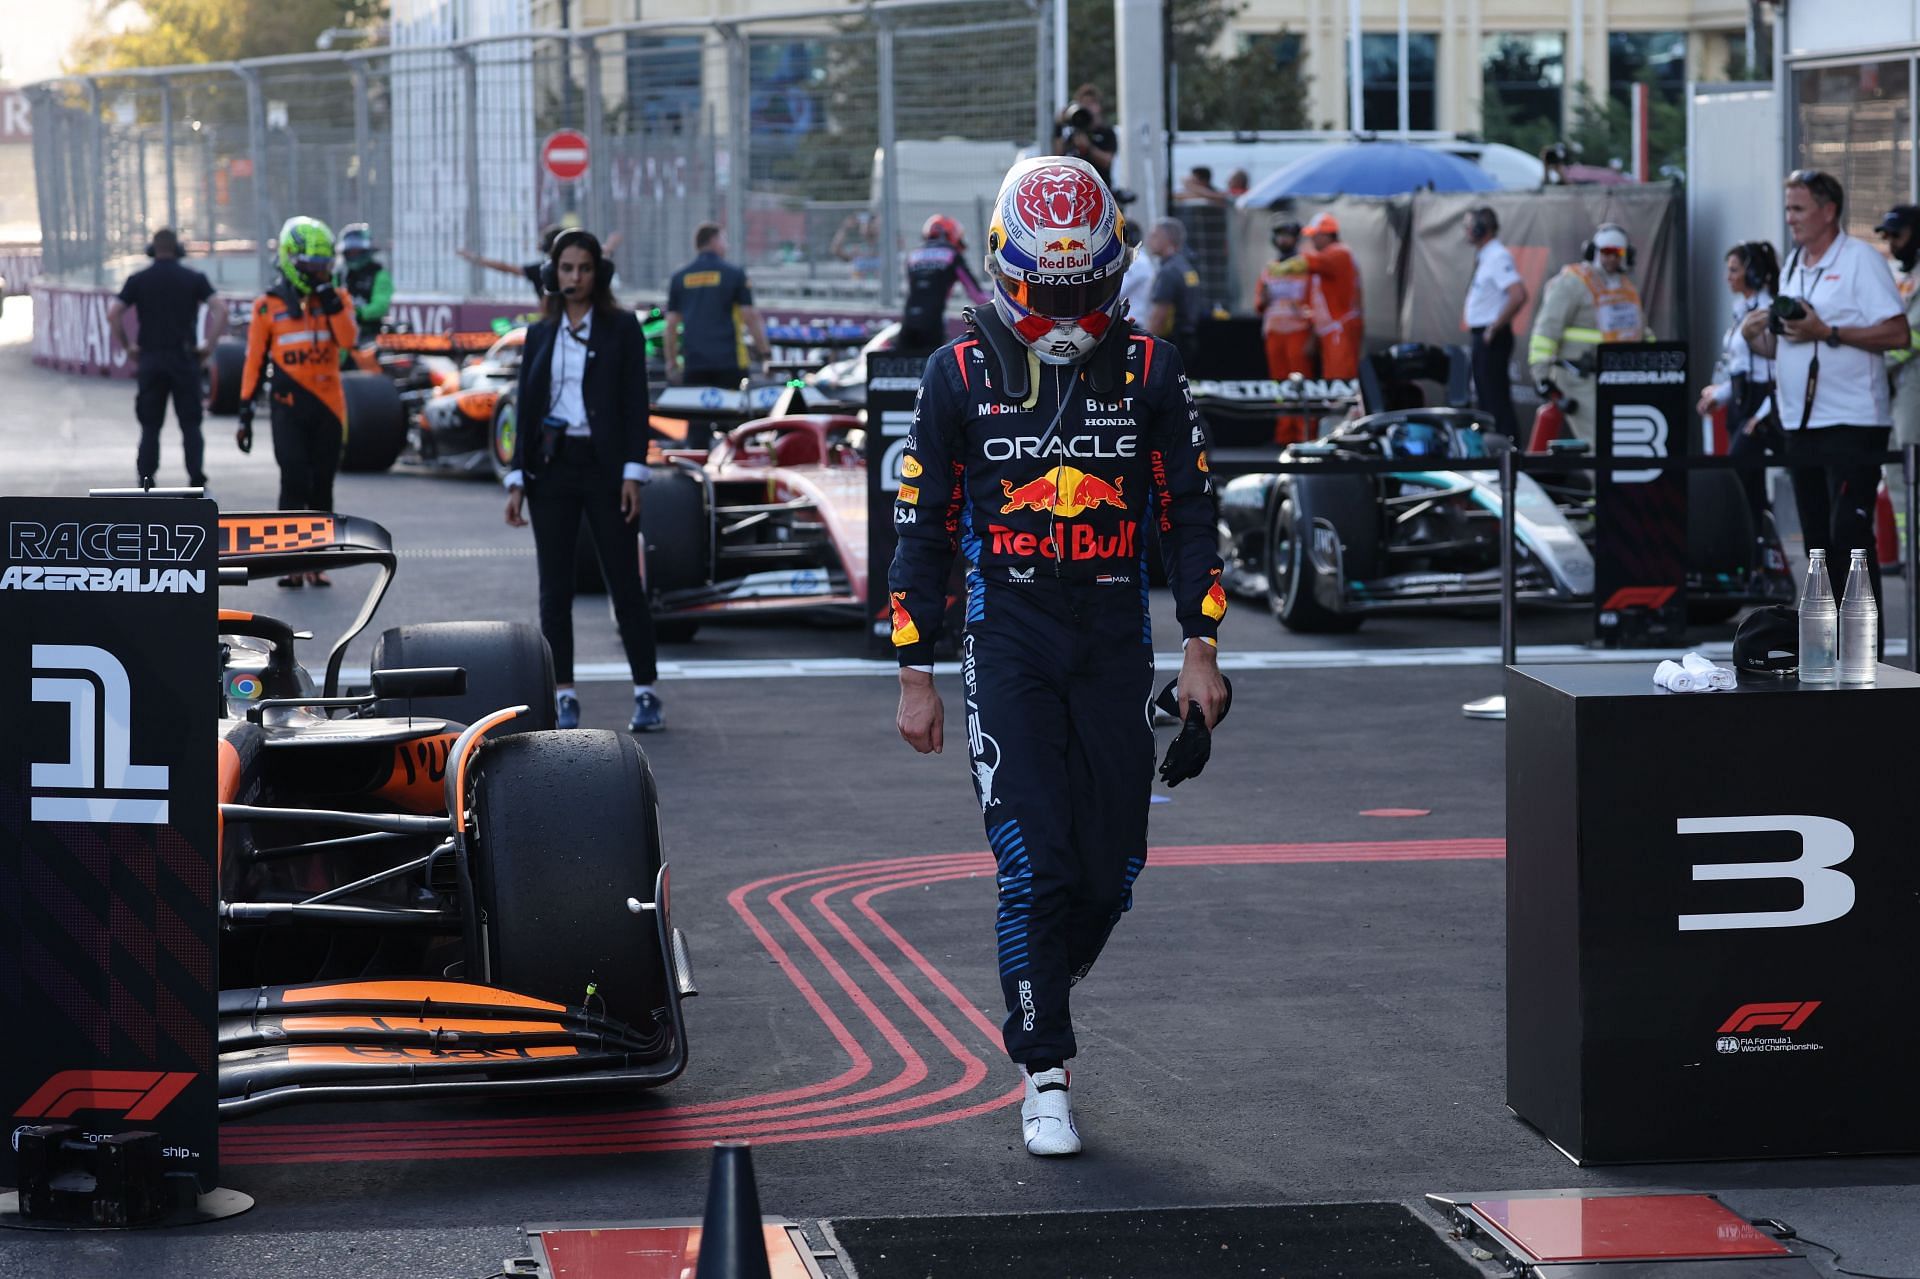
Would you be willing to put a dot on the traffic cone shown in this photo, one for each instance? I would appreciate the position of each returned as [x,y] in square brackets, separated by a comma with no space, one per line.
[732,1244]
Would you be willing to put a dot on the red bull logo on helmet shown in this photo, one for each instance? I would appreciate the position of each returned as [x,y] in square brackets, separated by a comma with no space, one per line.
[1064,250]
[1065,490]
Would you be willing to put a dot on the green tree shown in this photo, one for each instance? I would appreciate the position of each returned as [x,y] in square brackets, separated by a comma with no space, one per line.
[1603,133]
[1520,103]
[1261,85]
[177,32]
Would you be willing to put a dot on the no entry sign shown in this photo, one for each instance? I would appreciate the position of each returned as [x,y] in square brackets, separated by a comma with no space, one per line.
[564,154]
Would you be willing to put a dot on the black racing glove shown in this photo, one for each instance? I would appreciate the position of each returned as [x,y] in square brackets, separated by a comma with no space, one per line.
[244,436]
[1193,746]
[329,299]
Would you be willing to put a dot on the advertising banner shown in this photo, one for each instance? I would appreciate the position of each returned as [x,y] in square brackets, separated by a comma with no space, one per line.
[1640,515]
[108,687]
[1704,962]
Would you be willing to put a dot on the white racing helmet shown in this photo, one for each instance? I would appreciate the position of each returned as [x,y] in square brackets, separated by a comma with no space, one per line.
[1056,255]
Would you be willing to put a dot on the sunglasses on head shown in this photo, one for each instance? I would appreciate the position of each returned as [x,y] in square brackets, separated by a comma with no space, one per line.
[1824,186]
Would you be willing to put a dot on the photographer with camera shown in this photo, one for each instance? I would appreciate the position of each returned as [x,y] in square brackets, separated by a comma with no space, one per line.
[1081,130]
[1828,333]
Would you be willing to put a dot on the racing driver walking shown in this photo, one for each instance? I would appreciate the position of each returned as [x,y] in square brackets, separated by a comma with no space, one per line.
[1044,439]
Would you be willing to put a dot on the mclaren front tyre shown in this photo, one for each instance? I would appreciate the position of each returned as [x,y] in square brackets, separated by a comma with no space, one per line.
[567,853]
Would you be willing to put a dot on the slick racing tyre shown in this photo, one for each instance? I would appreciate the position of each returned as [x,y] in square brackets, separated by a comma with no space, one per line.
[507,664]
[224,367]
[1292,576]
[675,521]
[1722,544]
[376,422]
[567,831]
[501,440]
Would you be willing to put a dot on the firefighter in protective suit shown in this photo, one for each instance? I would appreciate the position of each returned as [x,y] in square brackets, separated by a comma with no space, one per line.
[1591,301]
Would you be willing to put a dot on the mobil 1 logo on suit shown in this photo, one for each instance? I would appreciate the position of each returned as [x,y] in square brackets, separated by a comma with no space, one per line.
[1640,511]
[109,670]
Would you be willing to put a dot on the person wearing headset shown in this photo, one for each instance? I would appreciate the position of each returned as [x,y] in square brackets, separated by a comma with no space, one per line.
[1744,382]
[1590,302]
[166,297]
[584,372]
[1494,298]
[295,338]
[1044,442]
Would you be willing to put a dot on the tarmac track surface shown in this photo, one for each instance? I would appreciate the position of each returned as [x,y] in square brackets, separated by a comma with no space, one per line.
[1306,1004]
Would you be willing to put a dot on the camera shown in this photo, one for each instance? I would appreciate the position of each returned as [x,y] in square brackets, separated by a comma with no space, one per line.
[1073,119]
[1782,310]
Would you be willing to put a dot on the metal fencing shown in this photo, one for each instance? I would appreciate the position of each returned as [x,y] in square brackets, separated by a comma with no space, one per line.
[821,141]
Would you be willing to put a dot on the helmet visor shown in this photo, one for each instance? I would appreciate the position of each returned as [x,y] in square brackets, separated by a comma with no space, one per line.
[1063,301]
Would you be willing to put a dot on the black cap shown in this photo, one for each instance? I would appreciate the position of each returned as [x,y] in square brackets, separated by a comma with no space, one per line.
[1288,224]
[1767,644]
[1900,215]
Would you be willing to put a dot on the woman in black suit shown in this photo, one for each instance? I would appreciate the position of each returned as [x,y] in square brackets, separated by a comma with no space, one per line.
[582,449]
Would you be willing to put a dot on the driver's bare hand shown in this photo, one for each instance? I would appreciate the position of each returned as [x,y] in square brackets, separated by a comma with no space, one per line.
[516,498]
[922,717]
[1200,682]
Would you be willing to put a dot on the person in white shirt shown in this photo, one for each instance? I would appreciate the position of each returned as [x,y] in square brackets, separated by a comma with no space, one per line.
[1136,286]
[1831,370]
[1744,385]
[1493,299]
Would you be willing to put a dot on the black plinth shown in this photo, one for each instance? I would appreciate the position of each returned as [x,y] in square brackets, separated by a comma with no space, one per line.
[1713,915]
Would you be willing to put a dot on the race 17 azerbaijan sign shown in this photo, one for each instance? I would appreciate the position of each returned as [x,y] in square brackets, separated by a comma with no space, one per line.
[108,931]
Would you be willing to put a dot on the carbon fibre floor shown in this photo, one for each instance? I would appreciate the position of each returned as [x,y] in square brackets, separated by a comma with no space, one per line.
[1304,1008]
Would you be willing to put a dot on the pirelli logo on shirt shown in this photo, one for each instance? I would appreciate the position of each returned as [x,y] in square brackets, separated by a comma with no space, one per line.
[700,280]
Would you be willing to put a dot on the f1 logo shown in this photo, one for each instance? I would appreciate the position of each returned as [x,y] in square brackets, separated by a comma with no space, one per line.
[139,1095]
[1639,430]
[99,742]
[1826,893]
[1750,1017]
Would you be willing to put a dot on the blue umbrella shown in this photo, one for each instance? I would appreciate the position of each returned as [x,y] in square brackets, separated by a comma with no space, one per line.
[1370,168]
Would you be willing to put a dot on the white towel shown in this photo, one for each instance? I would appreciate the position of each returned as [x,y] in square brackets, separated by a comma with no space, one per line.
[1675,678]
[1716,677]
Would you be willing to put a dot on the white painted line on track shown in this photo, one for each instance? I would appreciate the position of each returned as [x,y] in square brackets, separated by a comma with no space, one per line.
[1269,660]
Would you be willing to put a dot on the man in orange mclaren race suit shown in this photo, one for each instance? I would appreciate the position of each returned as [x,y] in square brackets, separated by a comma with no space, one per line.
[299,328]
[1043,442]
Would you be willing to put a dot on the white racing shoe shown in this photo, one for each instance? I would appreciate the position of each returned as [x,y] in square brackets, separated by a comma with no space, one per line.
[1046,1114]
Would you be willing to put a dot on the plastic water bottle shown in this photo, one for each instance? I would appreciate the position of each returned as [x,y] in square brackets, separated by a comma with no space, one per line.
[1819,620]
[1859,625]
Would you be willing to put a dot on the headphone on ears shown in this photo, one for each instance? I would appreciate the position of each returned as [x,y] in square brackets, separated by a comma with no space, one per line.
[571,238]
[1588,253]
[179,247]
[1752,266]
[1481,220]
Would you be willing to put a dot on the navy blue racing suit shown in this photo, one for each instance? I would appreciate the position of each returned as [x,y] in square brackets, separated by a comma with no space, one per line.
[1049,500]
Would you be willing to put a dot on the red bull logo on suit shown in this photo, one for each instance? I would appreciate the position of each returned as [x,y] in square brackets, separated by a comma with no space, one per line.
[1065,490]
